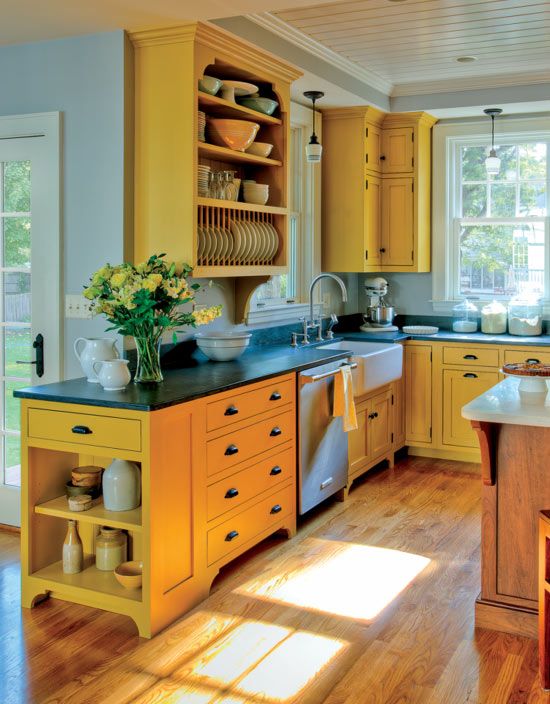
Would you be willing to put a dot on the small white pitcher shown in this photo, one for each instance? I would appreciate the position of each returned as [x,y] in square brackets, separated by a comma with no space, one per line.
[113,375]
[95,349]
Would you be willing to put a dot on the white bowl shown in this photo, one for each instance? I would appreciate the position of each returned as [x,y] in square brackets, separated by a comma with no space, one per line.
[260,149]
[255,198]
[222,346]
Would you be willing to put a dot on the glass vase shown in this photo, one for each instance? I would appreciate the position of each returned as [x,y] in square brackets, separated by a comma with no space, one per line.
[148,362]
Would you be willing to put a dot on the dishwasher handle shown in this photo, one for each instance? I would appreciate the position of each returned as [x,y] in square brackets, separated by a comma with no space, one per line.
[325,375]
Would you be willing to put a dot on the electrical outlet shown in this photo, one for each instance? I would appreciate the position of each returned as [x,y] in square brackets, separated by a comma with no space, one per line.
[76,306]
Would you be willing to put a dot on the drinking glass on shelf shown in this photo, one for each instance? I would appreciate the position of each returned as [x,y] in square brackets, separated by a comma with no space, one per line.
[229,185]
[217,185]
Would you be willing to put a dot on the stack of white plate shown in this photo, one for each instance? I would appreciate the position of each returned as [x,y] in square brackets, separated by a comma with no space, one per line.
[202,180]
[201,126]
[257,193]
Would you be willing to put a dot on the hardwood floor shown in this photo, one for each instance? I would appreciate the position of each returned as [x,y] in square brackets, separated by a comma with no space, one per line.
[372,602]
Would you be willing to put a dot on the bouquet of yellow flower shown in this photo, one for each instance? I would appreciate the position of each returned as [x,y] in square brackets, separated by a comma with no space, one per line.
[145,301]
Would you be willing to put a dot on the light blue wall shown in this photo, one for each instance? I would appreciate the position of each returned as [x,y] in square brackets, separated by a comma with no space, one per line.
[82,77]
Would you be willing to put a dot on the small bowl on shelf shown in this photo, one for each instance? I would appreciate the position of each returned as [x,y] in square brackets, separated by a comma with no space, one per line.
[222,346]
[260,149]
[130,574]
[256,193]
[72,490]
[235,134]
[263,105]
[209,84]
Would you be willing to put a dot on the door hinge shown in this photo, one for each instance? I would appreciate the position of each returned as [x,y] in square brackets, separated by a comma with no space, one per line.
[366,131]
[412,161]
[366,158]
[430,433]
[431,356]
[366,253]
[392,437]
[412,136]
[367,184]
[392,399]
[412,255]
[412,186]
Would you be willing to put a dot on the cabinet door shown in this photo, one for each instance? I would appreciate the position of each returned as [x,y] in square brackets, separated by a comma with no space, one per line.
[459,388]
[397,222]
[373,146]
[372,221]
[398,150]
[398,391]
[358,440]
[380,423]
[418,394]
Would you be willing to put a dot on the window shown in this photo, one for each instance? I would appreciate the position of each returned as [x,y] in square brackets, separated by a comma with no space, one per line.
[491,234]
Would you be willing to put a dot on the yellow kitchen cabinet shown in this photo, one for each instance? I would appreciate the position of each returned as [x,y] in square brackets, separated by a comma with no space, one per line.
[460,386]
[371,442]
[418,393]
[197,512]
[372,145]
[397,237]
[397,153]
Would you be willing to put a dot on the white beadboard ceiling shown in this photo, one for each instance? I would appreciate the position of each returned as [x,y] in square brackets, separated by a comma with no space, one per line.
[413,45]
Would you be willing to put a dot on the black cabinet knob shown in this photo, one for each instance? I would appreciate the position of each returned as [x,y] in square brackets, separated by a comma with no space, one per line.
[382,158]
[231,493]
[231,450]
[231,411]
[382,249]
[276,509]
[275,396]
[81,430]
[275,431]
[231,536]
[275,471]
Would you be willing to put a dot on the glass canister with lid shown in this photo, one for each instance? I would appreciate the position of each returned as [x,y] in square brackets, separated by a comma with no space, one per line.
[493,318]
[525,316]
[111,547]
[465,317]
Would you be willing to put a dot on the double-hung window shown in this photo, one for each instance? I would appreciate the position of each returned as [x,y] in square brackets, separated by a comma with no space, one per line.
[491,233]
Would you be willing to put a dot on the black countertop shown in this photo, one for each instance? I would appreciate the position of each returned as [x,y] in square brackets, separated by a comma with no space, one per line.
[200,377]
[449,336]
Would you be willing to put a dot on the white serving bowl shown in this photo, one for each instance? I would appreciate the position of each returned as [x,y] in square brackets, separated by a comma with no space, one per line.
[222,346]
[260,149]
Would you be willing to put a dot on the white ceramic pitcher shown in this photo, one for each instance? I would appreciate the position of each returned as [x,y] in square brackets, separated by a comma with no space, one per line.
[95,349]
[113,374]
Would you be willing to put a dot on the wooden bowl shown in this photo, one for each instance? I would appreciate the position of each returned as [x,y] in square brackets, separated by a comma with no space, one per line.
[129,574]
[86,476]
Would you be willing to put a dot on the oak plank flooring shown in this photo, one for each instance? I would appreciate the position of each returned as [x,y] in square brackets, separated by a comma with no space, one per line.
[290,621]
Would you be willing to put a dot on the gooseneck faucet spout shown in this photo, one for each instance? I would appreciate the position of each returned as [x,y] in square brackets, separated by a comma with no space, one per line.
[312,286]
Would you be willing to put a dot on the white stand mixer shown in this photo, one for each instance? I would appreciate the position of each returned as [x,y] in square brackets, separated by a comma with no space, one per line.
[380,314]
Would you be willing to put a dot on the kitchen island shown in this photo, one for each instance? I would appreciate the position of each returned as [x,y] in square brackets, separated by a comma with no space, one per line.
[514,438]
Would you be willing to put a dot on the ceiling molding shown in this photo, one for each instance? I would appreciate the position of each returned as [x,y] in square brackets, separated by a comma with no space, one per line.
[471,83]
[286,31]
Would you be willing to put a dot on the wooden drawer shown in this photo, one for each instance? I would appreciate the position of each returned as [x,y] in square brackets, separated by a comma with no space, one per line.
[242,486]
[240,445]
[245,404]
[85,429]
[511,356]
[233,533]
[471,356]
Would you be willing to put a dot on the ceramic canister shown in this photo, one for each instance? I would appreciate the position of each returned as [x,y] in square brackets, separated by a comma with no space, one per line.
[94,349]
[121,486]
[113,374]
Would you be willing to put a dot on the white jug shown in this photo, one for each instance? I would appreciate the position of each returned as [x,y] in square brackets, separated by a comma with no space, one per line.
[113,374]
[95,349]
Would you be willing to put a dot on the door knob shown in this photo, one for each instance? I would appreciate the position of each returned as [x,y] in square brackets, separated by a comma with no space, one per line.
[38,345]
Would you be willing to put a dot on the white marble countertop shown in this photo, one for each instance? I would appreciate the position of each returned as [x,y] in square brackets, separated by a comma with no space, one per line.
[503,404]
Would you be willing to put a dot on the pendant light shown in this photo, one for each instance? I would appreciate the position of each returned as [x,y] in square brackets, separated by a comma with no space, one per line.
[492,162]
[313,149]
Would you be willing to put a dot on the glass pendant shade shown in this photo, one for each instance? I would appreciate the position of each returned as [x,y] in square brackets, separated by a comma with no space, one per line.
[492,163]
[313,152]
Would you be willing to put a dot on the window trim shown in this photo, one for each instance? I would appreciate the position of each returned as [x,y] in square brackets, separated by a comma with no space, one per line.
[447,136]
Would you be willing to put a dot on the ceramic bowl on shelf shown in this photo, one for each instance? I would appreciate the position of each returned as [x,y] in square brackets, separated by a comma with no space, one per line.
[222,346]
[256,193]
[235,134]
[264,105]
[230,89]
[72,490]
[130,574]
[260,149]
[209,84]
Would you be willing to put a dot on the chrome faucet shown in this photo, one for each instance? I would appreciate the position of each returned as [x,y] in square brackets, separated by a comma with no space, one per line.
[312,323]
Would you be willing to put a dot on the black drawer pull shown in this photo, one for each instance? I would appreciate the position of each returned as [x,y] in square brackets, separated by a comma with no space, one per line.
[276,509]
[231,411]
[81,430]
[275,471]
[275,431]
[231,493]
[231,536]
[275,396]
[231,450]
[470,376]
[532,360]
[469,356]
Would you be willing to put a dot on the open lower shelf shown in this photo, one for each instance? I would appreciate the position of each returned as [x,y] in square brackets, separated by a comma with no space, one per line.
[212,151]
[236,205]
[213,105]
[98,515]
[90,579]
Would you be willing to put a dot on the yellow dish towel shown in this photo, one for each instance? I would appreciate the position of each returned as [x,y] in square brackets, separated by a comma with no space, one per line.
[343,404]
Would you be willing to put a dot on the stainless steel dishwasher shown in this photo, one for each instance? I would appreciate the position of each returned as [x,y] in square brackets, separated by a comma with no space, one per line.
[323,444]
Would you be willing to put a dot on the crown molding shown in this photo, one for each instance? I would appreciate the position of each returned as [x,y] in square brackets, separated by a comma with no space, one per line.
[472,83]
[277,26]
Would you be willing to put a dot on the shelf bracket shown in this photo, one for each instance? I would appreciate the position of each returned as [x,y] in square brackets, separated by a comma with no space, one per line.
[244,288]
[487,444]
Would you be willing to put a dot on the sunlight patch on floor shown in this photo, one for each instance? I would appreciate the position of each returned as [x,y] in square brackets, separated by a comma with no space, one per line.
[344,579]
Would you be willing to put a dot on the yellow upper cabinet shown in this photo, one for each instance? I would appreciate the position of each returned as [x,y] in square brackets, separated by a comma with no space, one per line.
[376,190]
[171,215]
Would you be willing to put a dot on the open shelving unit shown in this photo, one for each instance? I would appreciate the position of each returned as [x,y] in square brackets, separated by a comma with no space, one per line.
[97,515]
